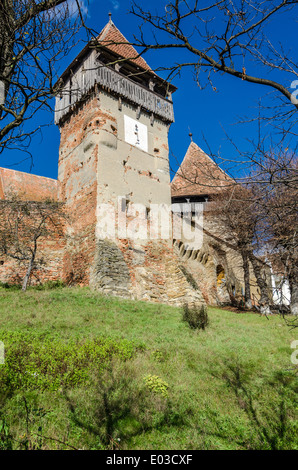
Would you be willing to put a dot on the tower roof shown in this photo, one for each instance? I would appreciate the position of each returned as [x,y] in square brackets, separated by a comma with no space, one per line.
[111,38]
[198,175]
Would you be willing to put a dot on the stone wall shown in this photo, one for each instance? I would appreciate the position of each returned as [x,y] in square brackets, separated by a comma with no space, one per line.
[217,267]
[97,165]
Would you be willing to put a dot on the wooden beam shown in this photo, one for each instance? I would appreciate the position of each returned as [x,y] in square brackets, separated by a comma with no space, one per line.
[138,112]
[116,83]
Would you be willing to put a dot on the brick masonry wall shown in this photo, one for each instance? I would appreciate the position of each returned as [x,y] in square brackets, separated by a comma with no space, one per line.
[50,252]
[77,176]
[28,187]
[96,165]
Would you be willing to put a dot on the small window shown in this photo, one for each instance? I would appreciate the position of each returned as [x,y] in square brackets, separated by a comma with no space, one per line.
[124,204]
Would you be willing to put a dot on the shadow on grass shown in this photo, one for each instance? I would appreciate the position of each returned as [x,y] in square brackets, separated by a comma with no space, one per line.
[268,409]
[121,409]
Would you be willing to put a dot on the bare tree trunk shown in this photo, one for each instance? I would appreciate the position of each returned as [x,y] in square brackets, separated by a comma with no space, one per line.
[293,282]
[262,284]
[247,293]
[28,274]
[294,300]
[30,267]
[7,19]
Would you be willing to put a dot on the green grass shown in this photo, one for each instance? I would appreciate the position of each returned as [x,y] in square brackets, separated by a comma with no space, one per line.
[94,372]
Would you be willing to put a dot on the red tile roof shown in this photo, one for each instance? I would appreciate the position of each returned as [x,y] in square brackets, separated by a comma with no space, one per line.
[113,39]
[198,175]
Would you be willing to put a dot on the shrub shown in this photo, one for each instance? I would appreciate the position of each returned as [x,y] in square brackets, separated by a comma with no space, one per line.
[195,316]
[156,385]
[49,285]
[5,437]
[12,287]
[32,363]
[159,356]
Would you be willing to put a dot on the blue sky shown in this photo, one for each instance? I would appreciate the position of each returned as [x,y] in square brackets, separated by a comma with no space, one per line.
[206,113]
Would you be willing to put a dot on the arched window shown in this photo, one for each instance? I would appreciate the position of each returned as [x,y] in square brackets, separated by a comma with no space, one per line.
[220,275]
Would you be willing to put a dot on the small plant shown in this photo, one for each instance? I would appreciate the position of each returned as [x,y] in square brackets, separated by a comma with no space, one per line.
[195,316]
[159,356]
[5,437]
[157,385]
[34,364]
[50,285]
[12,287]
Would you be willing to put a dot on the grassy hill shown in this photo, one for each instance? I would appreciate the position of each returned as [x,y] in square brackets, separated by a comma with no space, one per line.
[91,372]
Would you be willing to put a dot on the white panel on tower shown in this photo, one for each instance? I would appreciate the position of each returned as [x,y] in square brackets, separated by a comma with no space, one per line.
[136,133]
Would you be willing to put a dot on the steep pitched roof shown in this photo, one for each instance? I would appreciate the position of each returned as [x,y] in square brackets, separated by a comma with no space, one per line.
[198,175]
[111,38]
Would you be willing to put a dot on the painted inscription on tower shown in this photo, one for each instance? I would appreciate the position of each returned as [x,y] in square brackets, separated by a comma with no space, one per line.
[135,133]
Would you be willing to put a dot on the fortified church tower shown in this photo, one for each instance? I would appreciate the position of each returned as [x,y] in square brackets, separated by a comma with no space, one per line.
[114,114]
